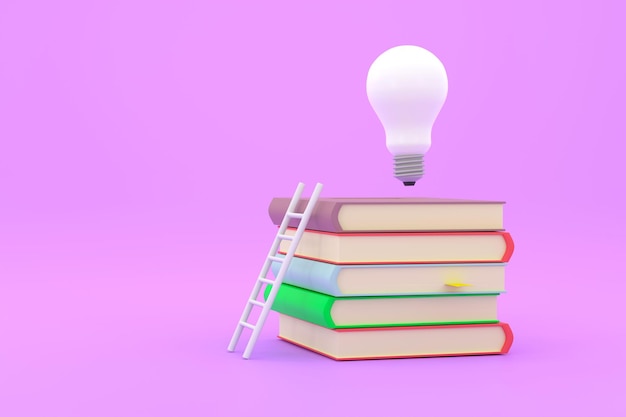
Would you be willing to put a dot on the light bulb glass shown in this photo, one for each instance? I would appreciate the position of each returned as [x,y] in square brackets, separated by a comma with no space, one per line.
[407,86]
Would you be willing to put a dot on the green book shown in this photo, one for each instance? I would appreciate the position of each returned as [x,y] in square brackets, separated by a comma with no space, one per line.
[386,311]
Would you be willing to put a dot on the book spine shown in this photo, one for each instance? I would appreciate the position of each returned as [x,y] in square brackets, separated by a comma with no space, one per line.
[508,335]
[312,275]
[303,304]
[325,215]
[510,246]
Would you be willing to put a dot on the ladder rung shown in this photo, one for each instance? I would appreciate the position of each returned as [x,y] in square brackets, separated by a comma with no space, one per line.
[265,280]
[295,215]
[256,303]
[246,324]
[285,237]
[275,259]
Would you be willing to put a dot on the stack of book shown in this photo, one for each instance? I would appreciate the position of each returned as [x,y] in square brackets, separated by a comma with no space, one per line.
[395,277]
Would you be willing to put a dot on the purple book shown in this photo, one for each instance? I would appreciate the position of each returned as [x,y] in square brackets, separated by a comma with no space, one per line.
[356,215]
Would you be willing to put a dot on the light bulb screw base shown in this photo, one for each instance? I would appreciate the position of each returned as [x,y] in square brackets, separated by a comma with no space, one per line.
[408,168]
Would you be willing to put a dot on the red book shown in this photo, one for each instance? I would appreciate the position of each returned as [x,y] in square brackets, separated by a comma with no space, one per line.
[397,342]
[402,248]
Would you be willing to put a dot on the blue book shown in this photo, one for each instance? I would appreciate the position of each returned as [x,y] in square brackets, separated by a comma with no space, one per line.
[394,279]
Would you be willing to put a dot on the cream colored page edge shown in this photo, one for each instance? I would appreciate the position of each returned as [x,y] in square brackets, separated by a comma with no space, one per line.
[421,217]
[396,310]
[421,279]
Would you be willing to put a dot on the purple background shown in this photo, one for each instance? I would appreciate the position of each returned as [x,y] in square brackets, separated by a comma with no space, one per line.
[141,143]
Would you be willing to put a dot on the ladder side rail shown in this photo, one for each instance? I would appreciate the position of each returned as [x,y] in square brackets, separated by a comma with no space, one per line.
[264,270]
[283,269]
[249,306]
[294,200]
[298,235]
[272,252]
[281,230]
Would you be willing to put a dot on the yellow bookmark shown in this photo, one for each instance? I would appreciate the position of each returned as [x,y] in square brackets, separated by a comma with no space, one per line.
[457,284]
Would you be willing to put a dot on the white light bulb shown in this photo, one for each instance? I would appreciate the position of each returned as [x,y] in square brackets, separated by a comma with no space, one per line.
[407,86]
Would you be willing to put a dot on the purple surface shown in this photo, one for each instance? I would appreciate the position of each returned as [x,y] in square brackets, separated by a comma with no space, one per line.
[141,143]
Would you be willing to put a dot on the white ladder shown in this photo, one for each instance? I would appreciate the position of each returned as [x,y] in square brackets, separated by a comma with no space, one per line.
[271,257]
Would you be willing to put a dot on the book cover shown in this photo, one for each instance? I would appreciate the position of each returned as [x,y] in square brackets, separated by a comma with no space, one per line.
[397,342]
[340,215]
[419,310]
[394,279]
[408,247]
